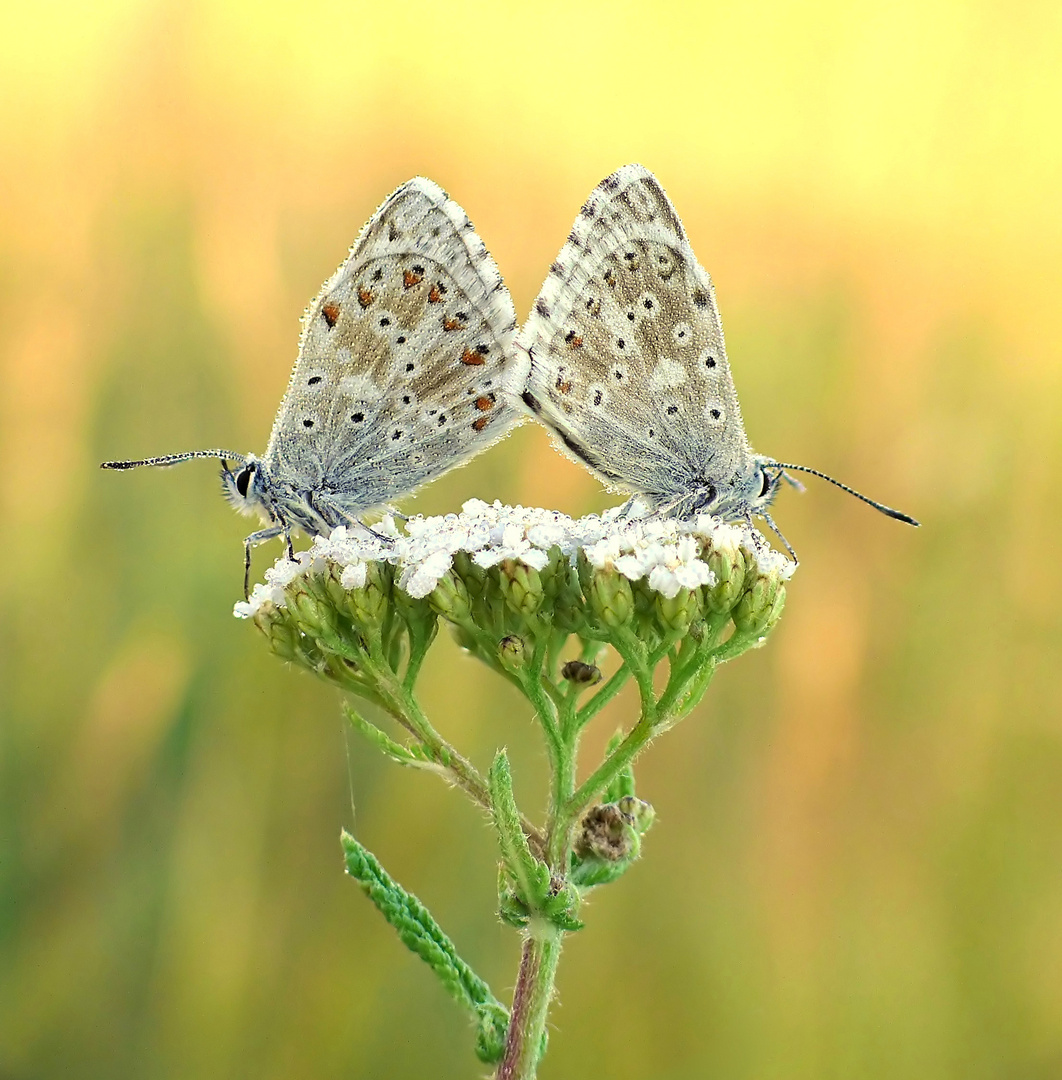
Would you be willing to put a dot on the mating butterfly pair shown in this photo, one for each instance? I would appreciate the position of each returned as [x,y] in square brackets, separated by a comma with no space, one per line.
[410,363]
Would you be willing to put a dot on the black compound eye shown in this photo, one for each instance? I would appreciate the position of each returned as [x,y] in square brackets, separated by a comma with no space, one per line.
[243,479]
[767,481]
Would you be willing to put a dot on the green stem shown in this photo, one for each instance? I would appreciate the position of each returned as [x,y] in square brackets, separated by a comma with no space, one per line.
[611,767]
[602,697]
[465,775]
[534,989]
[560,823]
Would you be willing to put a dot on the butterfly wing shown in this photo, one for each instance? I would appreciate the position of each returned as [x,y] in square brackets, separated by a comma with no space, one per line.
[406,364]
[628,362]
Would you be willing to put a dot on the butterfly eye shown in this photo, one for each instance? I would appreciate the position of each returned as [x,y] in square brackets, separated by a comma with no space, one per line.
[766,483]
[243,480]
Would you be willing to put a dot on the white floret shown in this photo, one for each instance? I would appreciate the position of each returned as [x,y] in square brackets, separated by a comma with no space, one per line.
[636,544]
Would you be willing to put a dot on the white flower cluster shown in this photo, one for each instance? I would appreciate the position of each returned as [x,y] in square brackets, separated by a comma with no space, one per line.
[664,550]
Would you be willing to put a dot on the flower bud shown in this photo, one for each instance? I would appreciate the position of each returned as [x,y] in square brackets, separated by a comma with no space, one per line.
[512,652]
[283,638]
[678,611]
[610,597]
[313,614]
[521,586]
[450,598]
[776,610]
[728,566]
[638,812]
[368,603]
[754,608]
[471,573]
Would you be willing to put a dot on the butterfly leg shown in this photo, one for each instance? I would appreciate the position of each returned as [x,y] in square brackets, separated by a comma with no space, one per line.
[778,532]
[378,536]
[257,538]
[626,508]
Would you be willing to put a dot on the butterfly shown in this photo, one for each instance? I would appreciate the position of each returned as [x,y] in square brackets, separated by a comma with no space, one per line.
[406,367]
[628,366]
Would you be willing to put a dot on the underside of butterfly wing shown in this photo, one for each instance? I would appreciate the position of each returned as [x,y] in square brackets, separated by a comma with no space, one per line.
[628,361]
[406,365]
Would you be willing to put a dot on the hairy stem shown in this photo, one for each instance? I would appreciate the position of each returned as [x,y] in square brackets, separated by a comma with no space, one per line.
[534,989]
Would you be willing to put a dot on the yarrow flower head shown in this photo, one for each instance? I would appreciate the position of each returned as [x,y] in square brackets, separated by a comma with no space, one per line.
[666,554]
[567,611]
[510,578]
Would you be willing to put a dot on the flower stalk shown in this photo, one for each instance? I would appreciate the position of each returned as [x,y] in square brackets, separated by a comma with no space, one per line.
[543,601]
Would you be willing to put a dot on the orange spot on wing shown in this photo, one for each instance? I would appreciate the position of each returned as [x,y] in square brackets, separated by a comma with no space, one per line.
[411,278]
[365,298]
[331,312]
[434,295]
[481,423]
[469,357]
[575,343]
[564,387]
[452,324]
[484,404]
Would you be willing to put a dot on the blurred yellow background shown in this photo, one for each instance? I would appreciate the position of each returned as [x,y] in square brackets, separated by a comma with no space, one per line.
[857,866]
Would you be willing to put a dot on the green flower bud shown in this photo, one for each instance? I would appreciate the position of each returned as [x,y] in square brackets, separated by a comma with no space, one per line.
[521,586]
[776,611]
[678,611]
[313,613]
[567,600]
[471,573]
[754,608]
[610,597]
[450,598]
[638,812]
[368,603]
[512,652]
[283,638]
[728,565]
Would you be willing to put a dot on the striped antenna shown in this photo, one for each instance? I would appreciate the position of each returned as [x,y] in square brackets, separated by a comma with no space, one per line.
[886,510]
[175,459]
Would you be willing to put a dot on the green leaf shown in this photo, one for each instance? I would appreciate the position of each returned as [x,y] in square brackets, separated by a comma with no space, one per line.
[530,876]
[423,935]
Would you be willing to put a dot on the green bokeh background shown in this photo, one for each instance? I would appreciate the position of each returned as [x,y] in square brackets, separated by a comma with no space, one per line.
[857,866]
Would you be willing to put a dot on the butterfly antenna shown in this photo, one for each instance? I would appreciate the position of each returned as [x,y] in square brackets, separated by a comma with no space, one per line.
[175,459]
[886,510]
